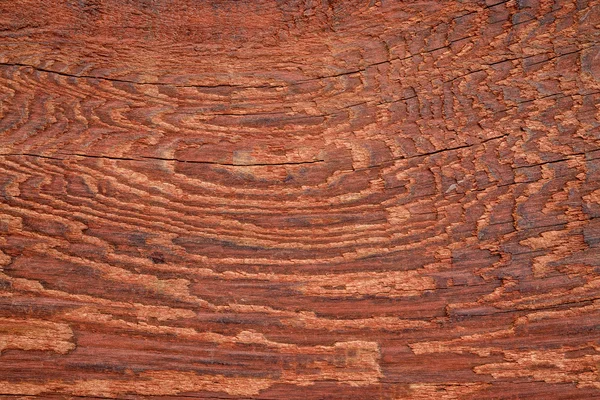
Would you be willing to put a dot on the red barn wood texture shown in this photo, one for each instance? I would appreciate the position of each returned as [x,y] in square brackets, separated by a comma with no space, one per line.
[300,199]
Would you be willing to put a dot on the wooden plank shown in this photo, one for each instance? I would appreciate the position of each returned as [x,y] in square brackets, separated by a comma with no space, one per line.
[295,199]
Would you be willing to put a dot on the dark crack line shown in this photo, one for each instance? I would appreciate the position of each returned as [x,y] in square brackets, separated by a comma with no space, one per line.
[119,80]
[561,55]
[431,153]
[496,4]
[363,69]
[567,157]
[236,165]
[143,158]
[125,396]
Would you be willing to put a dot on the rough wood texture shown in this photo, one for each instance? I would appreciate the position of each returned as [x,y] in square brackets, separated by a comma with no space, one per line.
[300,199]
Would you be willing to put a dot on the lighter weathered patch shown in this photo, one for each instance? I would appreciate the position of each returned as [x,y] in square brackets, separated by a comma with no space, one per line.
[35,334]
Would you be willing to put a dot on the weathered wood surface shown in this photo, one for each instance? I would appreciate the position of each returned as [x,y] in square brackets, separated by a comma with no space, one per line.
[300,199]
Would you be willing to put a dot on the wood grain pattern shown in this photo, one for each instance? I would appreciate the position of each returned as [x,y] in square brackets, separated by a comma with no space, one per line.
[300,199]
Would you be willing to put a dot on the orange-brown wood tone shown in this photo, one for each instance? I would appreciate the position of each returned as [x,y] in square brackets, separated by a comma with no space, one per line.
[300,199]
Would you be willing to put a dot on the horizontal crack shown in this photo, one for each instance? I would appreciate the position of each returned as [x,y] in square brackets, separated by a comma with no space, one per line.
[119,80]
[466,146]
[567,157]
[143,158]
